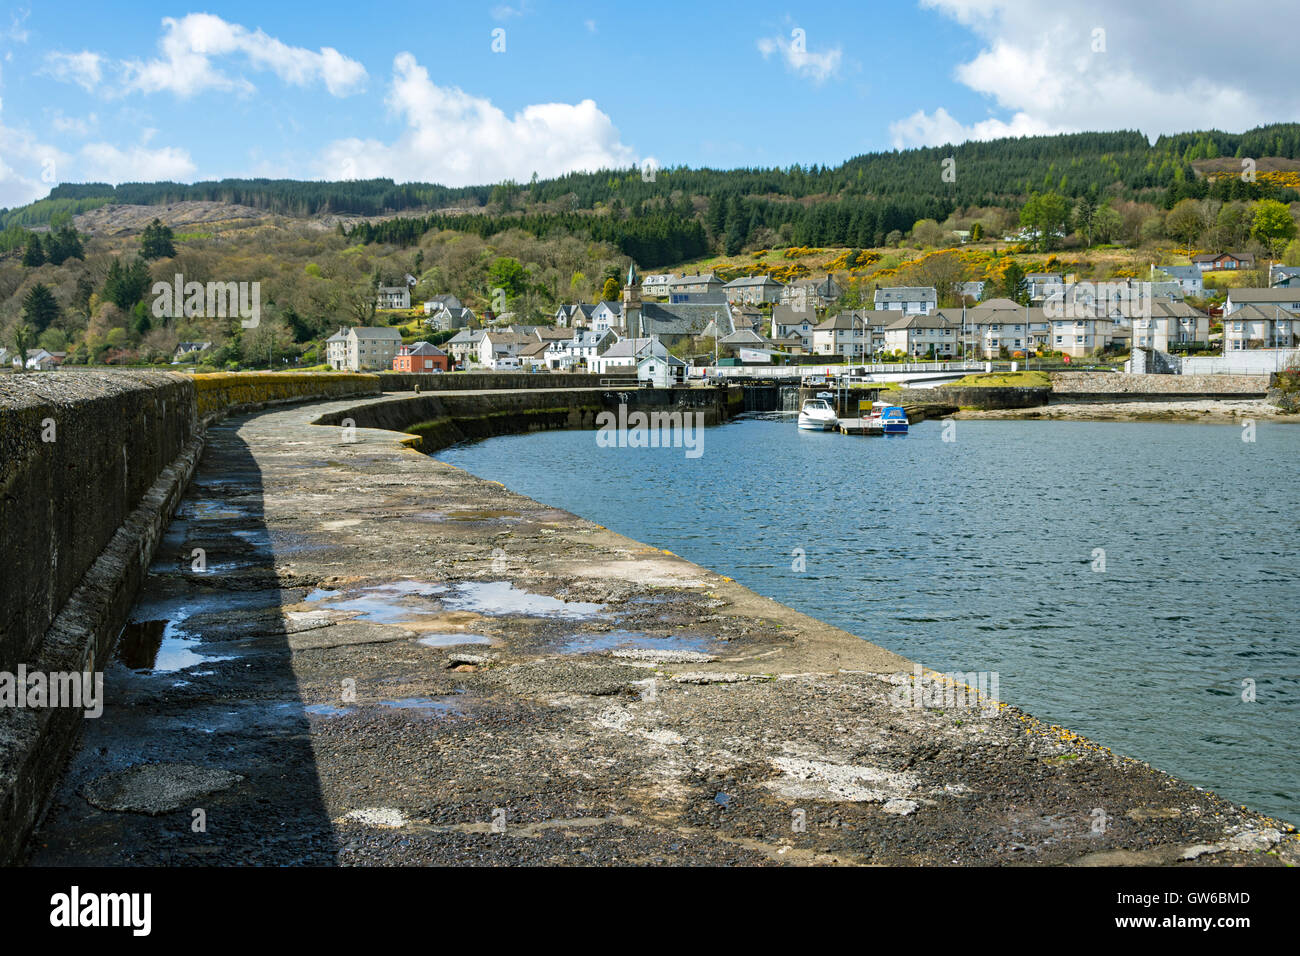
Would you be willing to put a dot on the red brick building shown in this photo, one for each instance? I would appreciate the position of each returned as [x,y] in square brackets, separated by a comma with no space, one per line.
[421,357]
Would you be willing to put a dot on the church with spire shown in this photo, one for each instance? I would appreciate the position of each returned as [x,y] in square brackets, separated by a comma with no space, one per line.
[632,303]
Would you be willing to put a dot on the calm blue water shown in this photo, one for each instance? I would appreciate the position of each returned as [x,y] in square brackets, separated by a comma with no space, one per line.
[978,555]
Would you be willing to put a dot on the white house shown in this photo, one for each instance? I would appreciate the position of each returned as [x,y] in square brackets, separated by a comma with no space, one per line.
[844,334]
[627,354]
[38,359]
[1081,334]
[499,350]
[1189,278]
[753,290]
[363,347]
[1256,326]
[444,301]
[606,316]
[912,300]
[1284,276]
[656,286]
[1044,285]
[464,345]
[394,297]
[789,324]
[919,334]
[661,371]
[1282,298]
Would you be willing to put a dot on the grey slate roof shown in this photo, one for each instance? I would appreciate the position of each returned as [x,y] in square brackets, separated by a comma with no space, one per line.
[1264,295]
[907,294]
[683,318]
[376,332]
[744,281]
[742,337]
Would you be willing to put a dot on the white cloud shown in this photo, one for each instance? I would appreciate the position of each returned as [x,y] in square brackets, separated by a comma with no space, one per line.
[29,168]
[504,11]
[190,44]
[939,127]
[190,48]
[103,162]
[24,160]
[458,139]
[81,126]
[84,68]
[17,32]
[799,59]
[1110,65]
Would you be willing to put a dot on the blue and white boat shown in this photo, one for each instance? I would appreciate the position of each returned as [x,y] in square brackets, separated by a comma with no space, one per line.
[893,418]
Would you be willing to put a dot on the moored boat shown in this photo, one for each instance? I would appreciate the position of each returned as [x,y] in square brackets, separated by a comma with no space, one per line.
[817,415]
[893,418]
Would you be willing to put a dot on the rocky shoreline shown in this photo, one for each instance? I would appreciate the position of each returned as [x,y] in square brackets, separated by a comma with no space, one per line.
[1207,411]
[402,663]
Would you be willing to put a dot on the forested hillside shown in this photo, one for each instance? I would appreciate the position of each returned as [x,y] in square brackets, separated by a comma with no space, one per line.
[663,218]
[77,278]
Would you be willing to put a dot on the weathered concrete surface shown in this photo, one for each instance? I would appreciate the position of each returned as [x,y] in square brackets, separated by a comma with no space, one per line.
[401,659]
[92,464]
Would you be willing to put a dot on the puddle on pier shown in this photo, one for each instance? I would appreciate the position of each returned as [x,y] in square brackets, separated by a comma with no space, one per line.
[397,602]
[431,705]
[161,639]
[636,640]
[501,598]
[452,640]
[422,706]
[210,509]
[159,647]
[328,710]
[391,603]
[480,515]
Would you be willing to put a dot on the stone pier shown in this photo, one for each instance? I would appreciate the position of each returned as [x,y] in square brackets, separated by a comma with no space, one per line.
[347,652]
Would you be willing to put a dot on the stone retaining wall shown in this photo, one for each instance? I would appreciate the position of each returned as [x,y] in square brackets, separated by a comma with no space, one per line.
[1121,383]
[978,397]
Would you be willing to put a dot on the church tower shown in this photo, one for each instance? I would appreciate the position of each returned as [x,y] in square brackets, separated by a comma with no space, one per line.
[632,303]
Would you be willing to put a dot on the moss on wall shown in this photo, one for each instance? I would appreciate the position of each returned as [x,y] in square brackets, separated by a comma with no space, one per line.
[220,392]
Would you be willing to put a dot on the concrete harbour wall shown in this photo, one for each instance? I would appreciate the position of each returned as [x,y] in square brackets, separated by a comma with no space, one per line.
[93,464]
[440,420]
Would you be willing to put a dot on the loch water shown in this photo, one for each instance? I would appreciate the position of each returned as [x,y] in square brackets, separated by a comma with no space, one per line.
[1134,582]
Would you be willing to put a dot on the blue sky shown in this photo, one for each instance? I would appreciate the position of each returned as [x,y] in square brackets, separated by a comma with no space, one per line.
[416,91]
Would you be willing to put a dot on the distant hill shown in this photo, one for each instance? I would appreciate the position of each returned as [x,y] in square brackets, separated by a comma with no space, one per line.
[115,219]
[675,214]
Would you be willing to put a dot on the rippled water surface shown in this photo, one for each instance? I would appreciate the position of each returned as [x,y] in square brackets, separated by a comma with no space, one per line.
[979,554]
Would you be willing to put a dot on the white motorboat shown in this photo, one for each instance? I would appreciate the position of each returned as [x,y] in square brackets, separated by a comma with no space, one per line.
[817,415]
